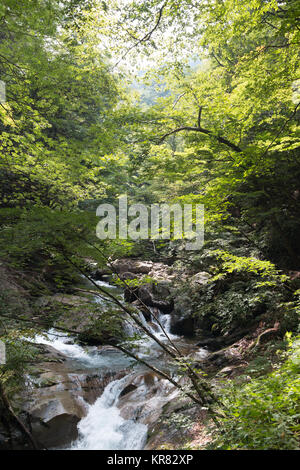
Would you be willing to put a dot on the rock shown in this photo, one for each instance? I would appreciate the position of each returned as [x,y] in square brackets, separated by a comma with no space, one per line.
[212,343]
[231,371]
[154,326]
[162,272]
[149,393]
[54,423]
[55,409]
[200,279]
[50,354]
[11,438]
[165,433]
[225,356]
[182,321]
[99,274]
[58,397]
[182,326]
[200,354]
[132,266]
[158,271]
[5,440]
[128,389]
[145,312]
[88,338]
[162,289]
[75,317]
[216,343]
[163,305]
[107,348]
[144,293]
[128,276]
[130,295]
[143,267]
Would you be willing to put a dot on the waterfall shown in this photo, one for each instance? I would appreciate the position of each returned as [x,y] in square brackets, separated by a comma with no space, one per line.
[63,344]
[104,428]
[89,357]
[131,328]
[165,321]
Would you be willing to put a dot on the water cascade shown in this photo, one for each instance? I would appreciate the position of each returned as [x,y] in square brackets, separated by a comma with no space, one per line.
[103,427]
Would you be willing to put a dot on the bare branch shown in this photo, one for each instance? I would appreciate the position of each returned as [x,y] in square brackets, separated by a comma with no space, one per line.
[146,37]
[178,99]
[217,60]
[222,140]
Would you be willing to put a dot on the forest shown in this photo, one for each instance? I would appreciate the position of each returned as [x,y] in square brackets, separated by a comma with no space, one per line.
[125,340]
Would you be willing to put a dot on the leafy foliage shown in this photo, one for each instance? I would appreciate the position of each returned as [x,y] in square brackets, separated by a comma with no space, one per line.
[264,414]
[214,121]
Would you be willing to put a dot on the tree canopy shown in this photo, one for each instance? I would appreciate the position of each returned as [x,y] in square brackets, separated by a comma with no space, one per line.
[166,101]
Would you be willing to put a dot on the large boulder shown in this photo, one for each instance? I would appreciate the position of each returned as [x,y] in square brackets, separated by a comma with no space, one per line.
[147,297]
[225,357]
[144,396]
[132,266]
[127,276]
[200,279]
[158,271]
[54,422]
[182,321]
[183,326]
[162,289]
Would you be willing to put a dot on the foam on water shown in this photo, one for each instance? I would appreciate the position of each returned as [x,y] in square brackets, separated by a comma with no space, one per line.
[63,344]
[104,428]
[106,285]
[89,357]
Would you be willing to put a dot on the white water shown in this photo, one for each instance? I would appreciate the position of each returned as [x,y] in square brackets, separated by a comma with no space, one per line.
[62,343]
[103,428]
[89,358]
[106,284]
[165,321]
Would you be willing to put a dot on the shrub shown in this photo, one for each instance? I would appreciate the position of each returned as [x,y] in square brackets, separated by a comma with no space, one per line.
[264,413]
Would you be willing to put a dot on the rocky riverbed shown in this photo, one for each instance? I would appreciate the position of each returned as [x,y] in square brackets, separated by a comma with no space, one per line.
[95,397]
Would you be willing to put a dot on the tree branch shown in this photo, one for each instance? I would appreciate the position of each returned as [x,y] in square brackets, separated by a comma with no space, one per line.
[144,38]
[199,116]
[222,140]
[17,420]
[280,131]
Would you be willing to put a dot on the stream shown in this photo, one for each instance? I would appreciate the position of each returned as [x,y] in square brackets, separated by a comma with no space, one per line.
[119,418]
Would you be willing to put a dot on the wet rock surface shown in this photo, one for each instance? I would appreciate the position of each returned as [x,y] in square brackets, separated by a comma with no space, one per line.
[148,396]
[158,271]
[175,425]
[61,389]
[59,396]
